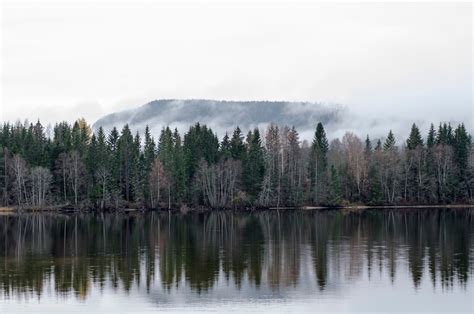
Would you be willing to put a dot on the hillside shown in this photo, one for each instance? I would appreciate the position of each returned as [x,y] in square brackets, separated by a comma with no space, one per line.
[223,116]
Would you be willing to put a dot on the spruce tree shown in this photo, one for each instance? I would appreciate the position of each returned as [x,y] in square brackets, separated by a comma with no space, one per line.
[335,193]
[125,152]
[318,165]
[368,146]
[112,144]
[224,148]
[179,175]
[431,140]
[253,166]
[389,144]
[414,140]
[237,147]
[461,150]
[149,155]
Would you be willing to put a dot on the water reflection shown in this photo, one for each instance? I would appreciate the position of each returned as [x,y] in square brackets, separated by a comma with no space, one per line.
[274,251]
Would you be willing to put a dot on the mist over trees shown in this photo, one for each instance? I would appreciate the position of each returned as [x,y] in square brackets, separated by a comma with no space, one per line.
[72,166]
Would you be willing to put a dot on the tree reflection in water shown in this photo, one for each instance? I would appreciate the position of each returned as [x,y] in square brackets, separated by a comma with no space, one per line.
[267,248]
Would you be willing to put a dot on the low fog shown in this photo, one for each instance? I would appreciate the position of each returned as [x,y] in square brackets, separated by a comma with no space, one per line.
[385,65]
[224,116]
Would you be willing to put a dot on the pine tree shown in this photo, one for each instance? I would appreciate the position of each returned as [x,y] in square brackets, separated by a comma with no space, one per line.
[94,190]
[166,156]
[3,175]
[149,155]
[318,165]
[431,140]
[375,193]
[335,193]
[115,160]
[200,143]
[125,156]
[237,147]
[253,166]
[138,173]
[378,147]
[461,150]
[389,144]
[179,175]
[224,148]
[368,146]
[414,140]
[102,172]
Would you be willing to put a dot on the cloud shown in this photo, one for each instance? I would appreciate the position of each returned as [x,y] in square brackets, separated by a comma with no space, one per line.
[387,61]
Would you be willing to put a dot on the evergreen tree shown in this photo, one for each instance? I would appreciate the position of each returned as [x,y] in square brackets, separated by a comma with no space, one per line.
[318,165]
[200,143]
[461,150]
[237,146]
[3,174]
[94,189]
[138,173]
[368,146]
[414,140]
[179,175]
[389,144]
[375,193]
[253,166]
[125,153]
[335,193]
[114,169]
[378,147]
[224,148]
[149,155]
[431,140]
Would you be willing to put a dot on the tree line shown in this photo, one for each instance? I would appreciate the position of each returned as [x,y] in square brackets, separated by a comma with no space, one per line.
[77,167]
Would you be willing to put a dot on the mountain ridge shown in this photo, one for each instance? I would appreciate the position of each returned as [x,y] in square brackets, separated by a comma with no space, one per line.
[223,115]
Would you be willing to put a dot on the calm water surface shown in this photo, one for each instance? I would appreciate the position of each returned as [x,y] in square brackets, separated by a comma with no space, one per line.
[299,261]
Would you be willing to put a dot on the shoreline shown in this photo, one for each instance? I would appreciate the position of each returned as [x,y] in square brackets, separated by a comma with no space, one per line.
[57,209]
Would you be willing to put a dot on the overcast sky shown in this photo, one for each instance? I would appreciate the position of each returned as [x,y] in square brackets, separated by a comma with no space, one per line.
[61,61]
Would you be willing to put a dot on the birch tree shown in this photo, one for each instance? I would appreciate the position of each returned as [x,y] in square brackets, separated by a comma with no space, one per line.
[40,180]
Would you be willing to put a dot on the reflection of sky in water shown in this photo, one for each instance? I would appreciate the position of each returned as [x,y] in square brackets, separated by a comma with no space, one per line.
[288,264]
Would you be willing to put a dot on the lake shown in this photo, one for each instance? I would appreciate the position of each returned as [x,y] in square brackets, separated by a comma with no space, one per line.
[400,260]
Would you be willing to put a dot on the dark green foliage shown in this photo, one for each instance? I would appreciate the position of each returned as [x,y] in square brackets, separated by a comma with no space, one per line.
[461,149]
[125,153]
[375,193]
[318,164]
[431,140]
[179,174]
[335,193]
[253,166]
[114,170]
[368,146]
[237,146]
[389,142]
[445,134]
[378,147]
[149,155]
[414,140]
[224,148]
[200,143]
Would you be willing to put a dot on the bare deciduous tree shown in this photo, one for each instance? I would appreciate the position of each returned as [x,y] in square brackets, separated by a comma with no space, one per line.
[75,173]
[40,180]
[157,181]
[20,172]
[218,182]
[355,159]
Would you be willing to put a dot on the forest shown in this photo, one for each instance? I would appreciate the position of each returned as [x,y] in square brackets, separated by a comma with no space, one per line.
[69,165]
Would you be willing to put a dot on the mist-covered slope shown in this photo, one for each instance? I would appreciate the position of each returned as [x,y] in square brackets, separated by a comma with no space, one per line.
[224,116]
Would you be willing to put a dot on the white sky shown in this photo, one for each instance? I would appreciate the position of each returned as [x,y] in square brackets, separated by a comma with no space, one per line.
[64,60]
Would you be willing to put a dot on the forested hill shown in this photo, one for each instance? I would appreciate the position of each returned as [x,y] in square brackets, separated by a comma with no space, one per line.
[222,116]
